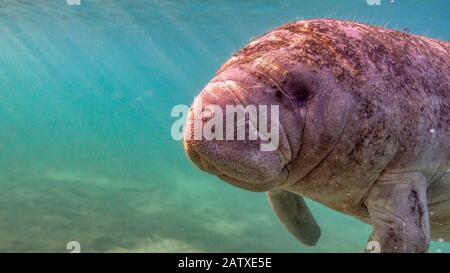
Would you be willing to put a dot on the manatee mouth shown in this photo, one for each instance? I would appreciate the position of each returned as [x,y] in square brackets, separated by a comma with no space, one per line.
[252,181]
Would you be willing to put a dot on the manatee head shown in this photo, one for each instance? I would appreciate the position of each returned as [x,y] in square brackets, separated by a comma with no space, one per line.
[258,78]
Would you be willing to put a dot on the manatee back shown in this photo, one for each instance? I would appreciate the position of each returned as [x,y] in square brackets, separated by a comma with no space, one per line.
[400,83]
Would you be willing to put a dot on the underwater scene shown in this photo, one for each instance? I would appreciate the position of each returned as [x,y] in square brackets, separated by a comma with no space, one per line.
[86,152]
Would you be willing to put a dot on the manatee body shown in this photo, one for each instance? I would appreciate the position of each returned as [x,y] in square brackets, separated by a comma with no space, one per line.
[364,128]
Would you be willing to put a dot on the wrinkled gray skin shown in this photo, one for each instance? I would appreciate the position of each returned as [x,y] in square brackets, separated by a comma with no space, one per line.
[365,116]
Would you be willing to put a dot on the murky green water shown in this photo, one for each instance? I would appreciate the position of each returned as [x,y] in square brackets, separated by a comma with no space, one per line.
[86,152]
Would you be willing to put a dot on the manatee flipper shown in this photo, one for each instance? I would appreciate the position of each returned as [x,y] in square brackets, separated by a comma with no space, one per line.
[295,216]
[397,204]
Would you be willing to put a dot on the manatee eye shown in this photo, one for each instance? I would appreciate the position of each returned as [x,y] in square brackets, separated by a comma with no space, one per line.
[301,94]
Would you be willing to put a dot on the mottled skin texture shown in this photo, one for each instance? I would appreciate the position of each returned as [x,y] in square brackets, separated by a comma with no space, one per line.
[365,127]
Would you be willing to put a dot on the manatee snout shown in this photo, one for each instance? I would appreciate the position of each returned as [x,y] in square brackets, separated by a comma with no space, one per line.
[237,101]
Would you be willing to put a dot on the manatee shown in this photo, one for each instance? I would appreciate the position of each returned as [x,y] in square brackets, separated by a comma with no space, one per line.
[364,116]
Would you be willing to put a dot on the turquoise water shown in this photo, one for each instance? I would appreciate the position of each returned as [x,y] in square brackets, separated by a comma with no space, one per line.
[86,152]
